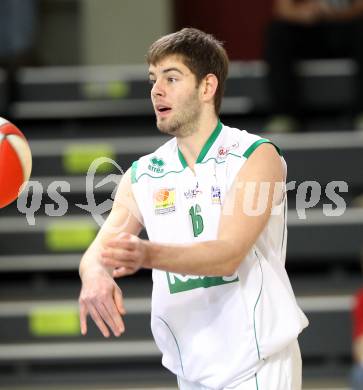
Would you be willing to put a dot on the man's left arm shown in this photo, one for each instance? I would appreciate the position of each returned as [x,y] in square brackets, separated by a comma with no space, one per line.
[239,227]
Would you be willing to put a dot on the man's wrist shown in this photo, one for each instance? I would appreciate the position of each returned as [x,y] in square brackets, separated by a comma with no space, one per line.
[94,267]
[149,254]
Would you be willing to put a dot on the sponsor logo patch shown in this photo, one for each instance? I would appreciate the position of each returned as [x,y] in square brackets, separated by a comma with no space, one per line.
[224,150]
[164,200]
[156,165]
[193,192]
[216,195]
[179,283]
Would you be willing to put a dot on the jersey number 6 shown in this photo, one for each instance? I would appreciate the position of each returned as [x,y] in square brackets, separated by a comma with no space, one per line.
[197,220]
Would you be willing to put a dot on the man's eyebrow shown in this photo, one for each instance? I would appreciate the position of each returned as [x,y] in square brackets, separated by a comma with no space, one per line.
[172,70]
[167,70]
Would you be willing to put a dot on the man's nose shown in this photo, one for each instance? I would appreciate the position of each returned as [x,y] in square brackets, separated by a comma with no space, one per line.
[158,89]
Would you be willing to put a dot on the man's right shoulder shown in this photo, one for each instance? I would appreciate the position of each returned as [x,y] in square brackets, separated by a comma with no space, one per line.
[157,163]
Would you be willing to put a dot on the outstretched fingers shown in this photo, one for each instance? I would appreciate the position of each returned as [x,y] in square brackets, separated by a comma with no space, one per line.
[117,296]
[105,308]
[99,321]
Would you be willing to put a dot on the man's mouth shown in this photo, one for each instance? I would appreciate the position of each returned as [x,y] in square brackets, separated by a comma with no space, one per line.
[162,109]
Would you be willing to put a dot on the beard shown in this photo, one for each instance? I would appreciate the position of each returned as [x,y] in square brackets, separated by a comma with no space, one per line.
[184,122]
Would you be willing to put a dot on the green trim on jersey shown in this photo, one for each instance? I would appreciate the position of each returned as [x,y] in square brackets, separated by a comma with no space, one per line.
[254,309]
[158,177]
[175,339]
[220,162]
[202,154]
[256,144]
[133,172]
[182,159]
[182,170]
[210,142]
[206,147]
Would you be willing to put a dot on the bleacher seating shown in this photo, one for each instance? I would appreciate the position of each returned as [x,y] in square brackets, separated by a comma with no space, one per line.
[72,115]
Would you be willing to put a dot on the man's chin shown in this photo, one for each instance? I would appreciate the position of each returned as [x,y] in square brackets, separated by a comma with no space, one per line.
[164,128]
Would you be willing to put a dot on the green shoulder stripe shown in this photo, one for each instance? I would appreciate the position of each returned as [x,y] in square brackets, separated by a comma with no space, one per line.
[133,172]
[210,142]
[256,144]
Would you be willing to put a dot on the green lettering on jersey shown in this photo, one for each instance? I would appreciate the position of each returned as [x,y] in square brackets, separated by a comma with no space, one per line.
[179,283]
[197,220]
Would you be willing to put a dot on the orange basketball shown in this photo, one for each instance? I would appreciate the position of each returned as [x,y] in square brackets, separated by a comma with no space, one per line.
[15,161]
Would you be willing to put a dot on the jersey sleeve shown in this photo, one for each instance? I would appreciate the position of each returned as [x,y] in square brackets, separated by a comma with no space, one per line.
[256,144]
[134,167]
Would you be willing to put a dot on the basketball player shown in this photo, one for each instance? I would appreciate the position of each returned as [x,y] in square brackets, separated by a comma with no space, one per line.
[223,312]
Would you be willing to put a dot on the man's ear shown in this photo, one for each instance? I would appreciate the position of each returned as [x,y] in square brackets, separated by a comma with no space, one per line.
[209,87]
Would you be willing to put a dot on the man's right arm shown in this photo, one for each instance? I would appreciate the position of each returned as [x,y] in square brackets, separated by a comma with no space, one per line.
[100,296]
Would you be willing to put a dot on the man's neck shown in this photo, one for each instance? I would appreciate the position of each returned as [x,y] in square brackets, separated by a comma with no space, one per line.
[192,145]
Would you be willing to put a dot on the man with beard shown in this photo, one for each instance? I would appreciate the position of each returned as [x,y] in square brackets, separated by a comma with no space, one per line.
[212,200]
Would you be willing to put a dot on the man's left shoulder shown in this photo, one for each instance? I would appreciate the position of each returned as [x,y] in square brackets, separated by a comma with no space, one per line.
[242,142]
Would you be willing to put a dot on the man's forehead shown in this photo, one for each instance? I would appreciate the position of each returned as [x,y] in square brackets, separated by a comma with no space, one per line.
[171,62]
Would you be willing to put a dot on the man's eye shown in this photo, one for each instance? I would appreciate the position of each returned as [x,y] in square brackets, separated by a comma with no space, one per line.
[172,79]
[151,82]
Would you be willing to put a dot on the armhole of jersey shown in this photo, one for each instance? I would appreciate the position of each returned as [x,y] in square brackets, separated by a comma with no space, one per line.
[256,144]
[133,172]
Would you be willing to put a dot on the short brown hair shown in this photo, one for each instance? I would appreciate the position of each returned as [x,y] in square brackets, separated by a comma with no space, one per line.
[200,52]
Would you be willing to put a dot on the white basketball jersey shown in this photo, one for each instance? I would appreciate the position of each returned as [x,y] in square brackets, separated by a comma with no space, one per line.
[214,330]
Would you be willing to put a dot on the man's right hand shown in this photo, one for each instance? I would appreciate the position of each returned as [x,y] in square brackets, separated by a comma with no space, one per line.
[101,298]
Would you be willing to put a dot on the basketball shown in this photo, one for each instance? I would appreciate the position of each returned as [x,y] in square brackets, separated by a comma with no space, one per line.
[15,162]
